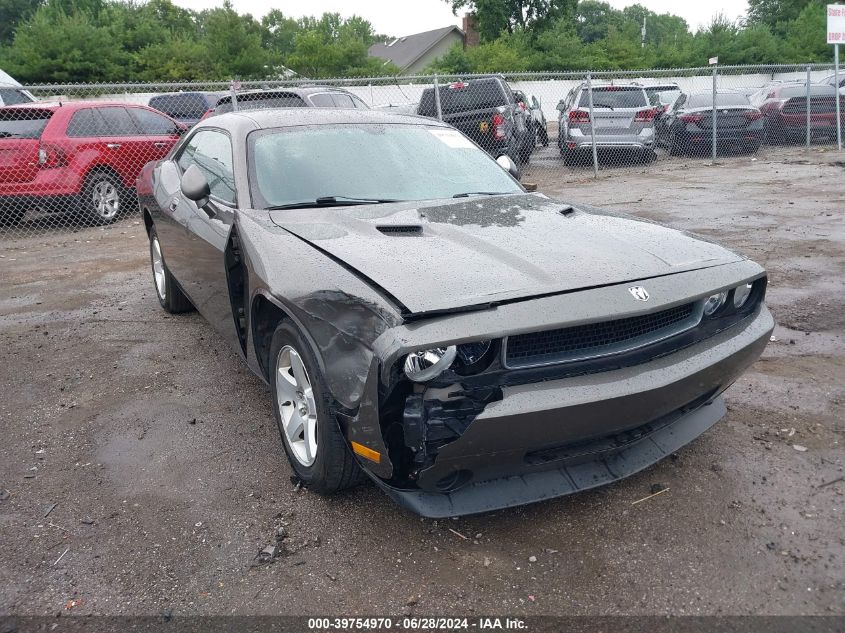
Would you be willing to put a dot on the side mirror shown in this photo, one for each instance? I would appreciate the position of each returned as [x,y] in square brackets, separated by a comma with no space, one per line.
[195,186]
[181,128]
[508,165]
[560,106]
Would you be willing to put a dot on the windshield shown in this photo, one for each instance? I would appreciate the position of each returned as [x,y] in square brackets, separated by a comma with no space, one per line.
[181,106]
[663,96]
[261,101]
[23,122]
[614,97]
[726,99]
[481,94]
[369,161]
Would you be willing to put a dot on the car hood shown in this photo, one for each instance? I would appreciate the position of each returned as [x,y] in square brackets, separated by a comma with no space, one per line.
[445,255]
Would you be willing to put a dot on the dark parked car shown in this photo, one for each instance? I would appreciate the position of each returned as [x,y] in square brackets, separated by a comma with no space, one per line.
[623,120]
[422,319]
[687,128]
[186,107]
[81,155]
[785,111]
[487,112]
[309,97]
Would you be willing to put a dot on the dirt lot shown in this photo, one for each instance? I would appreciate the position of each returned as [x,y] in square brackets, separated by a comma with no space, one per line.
[157,452]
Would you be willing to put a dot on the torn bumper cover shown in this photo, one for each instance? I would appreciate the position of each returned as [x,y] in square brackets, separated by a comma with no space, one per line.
[558,437]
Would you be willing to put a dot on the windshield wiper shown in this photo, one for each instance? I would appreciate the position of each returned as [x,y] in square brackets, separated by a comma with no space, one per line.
[332,201]
[467,194]
[603,105]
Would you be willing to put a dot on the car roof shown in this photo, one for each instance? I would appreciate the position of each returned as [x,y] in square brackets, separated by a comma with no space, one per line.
[73,105]
[248,120]
[302,91]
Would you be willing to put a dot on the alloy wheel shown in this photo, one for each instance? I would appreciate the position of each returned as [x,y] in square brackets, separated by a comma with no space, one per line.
[106,199]
[297,406]
[158,270]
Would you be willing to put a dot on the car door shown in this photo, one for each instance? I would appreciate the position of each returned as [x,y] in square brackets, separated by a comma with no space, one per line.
[117,138]
[203,271]
[158,133]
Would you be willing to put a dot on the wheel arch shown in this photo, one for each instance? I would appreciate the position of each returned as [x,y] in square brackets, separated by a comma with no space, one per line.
[265,314]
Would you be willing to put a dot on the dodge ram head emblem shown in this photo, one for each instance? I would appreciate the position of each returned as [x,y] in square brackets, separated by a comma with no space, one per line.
[639,293]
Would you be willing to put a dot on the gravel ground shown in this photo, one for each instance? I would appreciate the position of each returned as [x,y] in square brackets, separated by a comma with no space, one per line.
[141,471]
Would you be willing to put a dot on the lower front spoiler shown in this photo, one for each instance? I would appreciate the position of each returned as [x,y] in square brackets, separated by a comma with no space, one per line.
[600,468]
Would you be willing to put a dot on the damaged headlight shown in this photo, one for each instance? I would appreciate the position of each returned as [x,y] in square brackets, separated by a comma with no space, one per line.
[425,365]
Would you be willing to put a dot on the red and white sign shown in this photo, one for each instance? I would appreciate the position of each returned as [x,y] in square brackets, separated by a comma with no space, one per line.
[836,24]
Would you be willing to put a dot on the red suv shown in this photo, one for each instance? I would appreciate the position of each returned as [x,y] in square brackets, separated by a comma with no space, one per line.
[78,155]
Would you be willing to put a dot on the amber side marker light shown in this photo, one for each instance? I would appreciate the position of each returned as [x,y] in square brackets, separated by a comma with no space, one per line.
[366,453]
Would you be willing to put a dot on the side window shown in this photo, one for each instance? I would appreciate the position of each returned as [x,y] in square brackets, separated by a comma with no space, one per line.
[211,152]
[82,124]
[358,103]
[114,121]
[152,124]
[322,100]
[343,101]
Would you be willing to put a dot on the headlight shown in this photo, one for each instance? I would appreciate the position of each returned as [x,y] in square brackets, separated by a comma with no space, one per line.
[714,302]
[427,364]
[741,294]
[471,353]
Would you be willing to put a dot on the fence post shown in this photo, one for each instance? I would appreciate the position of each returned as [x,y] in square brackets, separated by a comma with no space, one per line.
[437,98]
[809,108]
[592,126]
[234,95]
[714,116]
[838,96]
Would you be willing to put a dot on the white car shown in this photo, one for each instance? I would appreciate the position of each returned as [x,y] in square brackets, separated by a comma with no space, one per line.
[12,92]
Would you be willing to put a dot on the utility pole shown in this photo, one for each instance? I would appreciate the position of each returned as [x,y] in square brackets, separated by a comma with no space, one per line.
[644,30]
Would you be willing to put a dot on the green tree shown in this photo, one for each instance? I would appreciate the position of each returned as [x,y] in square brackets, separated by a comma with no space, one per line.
[278,33]
[12,13]
[497,16]
[55,47]
[233,44]
[806,39]
[775,13]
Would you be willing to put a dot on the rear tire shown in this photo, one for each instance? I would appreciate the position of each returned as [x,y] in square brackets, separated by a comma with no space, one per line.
[168,292]
[304,411]
[104,198]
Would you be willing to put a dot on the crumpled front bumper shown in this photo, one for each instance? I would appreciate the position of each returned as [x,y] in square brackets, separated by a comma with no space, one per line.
[562,436]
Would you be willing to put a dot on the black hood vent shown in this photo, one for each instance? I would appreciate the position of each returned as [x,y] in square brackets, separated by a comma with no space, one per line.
[401,229]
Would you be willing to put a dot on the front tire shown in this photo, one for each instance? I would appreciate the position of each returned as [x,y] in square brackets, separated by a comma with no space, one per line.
[168,292]
[304,411]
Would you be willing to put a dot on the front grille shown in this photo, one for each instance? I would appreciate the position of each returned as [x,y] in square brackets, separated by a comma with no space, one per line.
[598,339]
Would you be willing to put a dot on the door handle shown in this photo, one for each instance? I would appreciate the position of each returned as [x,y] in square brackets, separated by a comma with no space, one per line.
[173,204]
[113,145]
[160,144]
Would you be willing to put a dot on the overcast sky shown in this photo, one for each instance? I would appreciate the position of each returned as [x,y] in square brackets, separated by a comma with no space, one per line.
[403,17]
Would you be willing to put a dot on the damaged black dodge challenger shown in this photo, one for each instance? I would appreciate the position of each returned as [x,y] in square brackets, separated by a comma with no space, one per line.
[423,320]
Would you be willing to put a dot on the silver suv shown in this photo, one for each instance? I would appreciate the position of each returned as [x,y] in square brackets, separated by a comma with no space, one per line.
[623,117]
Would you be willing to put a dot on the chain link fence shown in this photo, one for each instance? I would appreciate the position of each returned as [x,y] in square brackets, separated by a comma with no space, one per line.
[70,154]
